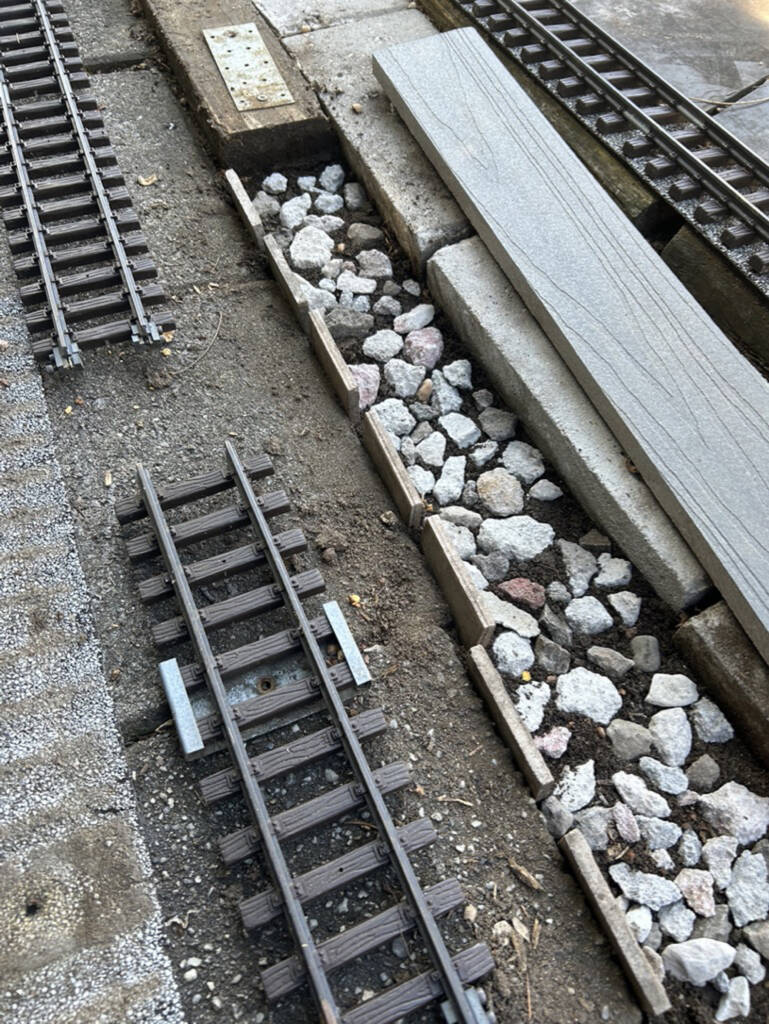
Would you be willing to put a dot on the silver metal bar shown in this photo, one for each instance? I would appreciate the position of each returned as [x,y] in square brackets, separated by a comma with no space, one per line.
[347,644]
[181,709]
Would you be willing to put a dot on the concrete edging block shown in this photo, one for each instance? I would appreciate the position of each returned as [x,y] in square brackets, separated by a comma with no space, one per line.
[647,986]
[510,724]
[474,623]
[334,365]
[286,279]
[245,207]
[723,657]
[529,374]
[393,472]
[414,202]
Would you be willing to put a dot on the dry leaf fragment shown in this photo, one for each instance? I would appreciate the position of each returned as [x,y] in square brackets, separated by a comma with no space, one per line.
[524,874]
[168,336]
[536,930]
[521,928]
[150,180]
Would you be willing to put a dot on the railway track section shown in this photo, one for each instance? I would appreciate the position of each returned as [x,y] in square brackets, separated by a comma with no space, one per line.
[293,669]
[711,178]
[75,239]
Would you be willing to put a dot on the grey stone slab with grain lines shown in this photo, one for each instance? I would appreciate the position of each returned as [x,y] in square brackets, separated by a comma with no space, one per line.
[690,411]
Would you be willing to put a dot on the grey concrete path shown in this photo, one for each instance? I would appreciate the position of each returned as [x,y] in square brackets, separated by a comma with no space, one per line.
[708,49]
[80,928]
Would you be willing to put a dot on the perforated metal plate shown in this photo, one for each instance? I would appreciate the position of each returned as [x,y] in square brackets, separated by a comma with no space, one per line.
[249,72]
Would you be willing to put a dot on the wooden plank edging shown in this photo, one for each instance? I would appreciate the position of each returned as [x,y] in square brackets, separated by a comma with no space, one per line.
[392,470]
[287,281]
[332,361]
[510,724]
[648,987]
[245,207]
[474,623]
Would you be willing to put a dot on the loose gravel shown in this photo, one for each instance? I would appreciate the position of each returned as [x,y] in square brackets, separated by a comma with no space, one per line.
[647,766]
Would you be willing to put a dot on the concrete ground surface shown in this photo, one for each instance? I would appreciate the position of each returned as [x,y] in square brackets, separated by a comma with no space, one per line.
[239,368]
[80,927]
[709,49]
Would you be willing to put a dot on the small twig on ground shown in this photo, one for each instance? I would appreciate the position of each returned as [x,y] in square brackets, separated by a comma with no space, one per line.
[191,366]
[454,800]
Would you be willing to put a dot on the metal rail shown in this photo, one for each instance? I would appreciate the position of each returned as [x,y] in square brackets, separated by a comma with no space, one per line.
[257,805]
[62,187]
[67,352]
[559,27]
[140,321]
[449,981]
[429,930]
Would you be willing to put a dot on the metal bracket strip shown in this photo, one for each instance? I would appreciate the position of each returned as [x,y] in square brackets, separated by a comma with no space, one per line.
[181,709]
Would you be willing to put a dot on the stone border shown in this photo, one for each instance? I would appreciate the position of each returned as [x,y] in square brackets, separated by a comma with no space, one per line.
[392,471]
[334,365]
[476,629]
[510,724]
[715,645]
[245,207]
[528,373]
[474,623]
[647,986]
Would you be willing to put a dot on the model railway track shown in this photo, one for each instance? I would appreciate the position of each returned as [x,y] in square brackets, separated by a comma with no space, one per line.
[71,228]
[314,680]
[711,178]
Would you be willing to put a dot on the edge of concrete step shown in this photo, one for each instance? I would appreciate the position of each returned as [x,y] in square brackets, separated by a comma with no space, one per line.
[524,367]
[413,200]
[724,658]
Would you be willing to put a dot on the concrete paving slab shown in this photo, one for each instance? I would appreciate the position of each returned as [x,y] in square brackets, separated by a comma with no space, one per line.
[706,48]
[288,17]
[153,135]
[247,140]
[622,332]
[409,194]
[80,932]
[109,34]
[748,119]
[528,372]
